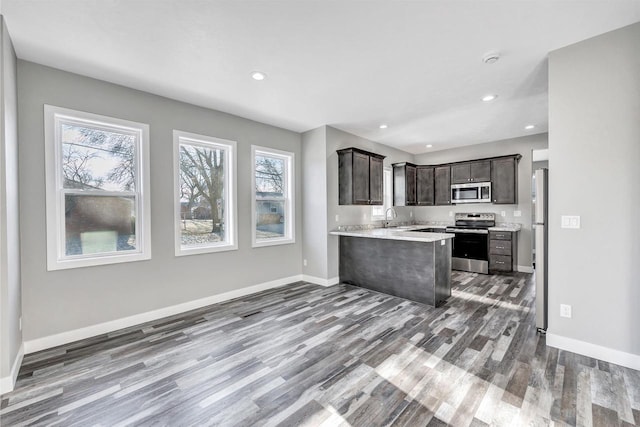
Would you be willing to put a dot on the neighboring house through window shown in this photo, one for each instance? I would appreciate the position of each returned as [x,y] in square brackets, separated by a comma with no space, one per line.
[272,197]
[97,189]
[205,194]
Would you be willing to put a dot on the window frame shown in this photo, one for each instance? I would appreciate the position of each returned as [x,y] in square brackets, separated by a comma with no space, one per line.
[55,191]
[289,196]
[387,195]
[230,188]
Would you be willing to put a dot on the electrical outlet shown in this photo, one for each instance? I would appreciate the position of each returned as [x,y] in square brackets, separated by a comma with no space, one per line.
[20,323]
[337,218]
[517,213]
[411,214]
[570,221]
[304,262]
[450,213]
[503,213]
[565,311]
[443,242]
[364,216]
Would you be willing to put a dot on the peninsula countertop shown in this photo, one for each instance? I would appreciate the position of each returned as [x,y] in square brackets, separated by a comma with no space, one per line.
[396,233]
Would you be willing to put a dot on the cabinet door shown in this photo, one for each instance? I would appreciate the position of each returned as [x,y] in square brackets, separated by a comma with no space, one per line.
[411,185]
[480,171]
[461,173]
[376,181]
[442,177]
[424,186]
[504,182]
[360,179]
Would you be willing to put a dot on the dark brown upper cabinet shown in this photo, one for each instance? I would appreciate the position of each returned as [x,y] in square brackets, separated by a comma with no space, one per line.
[442,185]
[504,180]
[360,177]
[404,184]
[425,186]
[475,171]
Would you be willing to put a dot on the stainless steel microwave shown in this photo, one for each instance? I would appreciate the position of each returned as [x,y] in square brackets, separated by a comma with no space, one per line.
[475,192]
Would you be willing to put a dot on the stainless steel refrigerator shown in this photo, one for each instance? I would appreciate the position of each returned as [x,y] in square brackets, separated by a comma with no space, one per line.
[540,224]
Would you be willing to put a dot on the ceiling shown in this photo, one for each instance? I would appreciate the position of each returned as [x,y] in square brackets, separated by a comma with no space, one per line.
[414,65]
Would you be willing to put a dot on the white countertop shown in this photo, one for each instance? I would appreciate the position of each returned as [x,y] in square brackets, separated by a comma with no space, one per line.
[397,233]
[506,226]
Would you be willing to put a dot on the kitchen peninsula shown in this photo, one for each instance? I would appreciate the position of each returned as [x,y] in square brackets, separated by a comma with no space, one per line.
[398,261]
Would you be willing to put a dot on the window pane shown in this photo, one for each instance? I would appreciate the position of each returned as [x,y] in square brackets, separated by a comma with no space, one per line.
[202,198]
[270,217]
[270,180]
[99,224]
[94,158]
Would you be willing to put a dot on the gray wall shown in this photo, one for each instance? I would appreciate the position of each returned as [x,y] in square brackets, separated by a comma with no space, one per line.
[594,158]
[336,140]
[10,291]
[60,301]
[522,146]
[314,202]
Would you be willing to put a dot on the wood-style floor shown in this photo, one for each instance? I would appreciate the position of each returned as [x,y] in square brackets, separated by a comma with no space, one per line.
[309,355]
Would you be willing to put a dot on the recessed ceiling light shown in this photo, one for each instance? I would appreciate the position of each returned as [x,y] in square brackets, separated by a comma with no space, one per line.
[429,145]
[529,127]
[491,57]
[488,98]
[258,75]
[383,126]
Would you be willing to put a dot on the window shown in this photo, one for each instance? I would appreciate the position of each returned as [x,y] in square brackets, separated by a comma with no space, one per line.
[377,212]
[205,194]
[272,201]
[97,189]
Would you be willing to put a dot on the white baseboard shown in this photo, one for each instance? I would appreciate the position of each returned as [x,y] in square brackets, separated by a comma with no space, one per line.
[7,383]
[319,281]
[51,341]
[610,355]
[525,269]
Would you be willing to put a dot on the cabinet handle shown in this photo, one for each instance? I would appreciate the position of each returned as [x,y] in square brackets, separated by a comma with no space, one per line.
[499,262]
[499,247]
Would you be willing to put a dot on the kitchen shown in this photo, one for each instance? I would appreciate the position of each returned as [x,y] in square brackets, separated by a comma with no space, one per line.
[480,244]
[265,332]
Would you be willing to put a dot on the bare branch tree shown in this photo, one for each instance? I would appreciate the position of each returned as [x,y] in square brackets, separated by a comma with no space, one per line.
[202,174]
[269,175]
[75,170]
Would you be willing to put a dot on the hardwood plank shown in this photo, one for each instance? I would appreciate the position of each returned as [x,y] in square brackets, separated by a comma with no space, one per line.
[309,355]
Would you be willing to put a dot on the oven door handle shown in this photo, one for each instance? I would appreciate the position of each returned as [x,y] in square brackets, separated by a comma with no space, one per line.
[466,230]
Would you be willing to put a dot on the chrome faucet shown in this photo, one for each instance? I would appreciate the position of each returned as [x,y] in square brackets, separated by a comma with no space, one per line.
[394,215]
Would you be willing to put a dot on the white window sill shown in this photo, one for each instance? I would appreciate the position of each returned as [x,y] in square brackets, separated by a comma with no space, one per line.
[65,264]
[196,250]
[272,242]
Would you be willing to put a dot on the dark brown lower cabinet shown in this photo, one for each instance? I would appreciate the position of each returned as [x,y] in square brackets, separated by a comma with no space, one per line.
[503,251]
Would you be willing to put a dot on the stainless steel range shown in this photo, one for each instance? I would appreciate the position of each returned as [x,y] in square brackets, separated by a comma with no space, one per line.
[471,245]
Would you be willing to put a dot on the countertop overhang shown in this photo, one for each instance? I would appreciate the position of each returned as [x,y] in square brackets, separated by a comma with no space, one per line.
[396,233]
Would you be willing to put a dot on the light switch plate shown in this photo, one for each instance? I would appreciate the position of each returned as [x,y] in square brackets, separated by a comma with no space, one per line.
[503,213]
[337,218]
[570,221]
[442,242]
[411,214]
[304,262]
[565,311]
[517,213]
[450,213]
